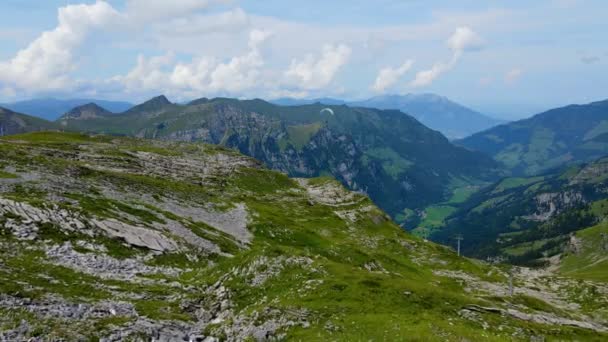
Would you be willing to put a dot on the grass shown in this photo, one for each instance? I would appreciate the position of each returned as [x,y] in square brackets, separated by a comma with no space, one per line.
[435,219]
[392,163]
[591,262]
[7,175]
[300,135]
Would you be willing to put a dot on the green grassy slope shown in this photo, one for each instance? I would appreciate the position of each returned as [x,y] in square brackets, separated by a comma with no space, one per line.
[15,123]
[313,261]
[587,255]
[575,133]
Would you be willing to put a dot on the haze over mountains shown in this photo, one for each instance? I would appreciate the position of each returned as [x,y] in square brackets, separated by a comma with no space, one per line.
[15,123]
[51,109]
[455,121]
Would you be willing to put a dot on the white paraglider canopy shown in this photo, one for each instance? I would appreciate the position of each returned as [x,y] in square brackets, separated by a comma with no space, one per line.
[327,110]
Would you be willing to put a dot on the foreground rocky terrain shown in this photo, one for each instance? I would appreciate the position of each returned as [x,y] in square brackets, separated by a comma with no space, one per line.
[111,239]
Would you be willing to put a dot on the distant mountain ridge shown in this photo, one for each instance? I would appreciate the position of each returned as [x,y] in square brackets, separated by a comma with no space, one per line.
[391,156]
[87,111]
[16,123]
[574,133]
[51,109]
[454,120]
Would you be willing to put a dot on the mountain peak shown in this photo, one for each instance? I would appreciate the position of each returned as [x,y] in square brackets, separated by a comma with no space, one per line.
[86,111]
[152,104]
[158,100]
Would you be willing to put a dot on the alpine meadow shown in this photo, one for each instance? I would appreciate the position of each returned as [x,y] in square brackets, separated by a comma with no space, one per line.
[214,170]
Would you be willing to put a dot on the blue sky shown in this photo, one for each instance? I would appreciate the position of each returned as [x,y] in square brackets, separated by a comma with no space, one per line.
[505,58]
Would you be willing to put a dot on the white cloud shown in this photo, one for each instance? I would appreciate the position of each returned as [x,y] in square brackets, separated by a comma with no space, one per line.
[463,39]
[388,76]
[147,75]
[426,77]
[143,11]
[201,75]
[234,20]
[513,75]
[46,62]
[312,73]
[241,72]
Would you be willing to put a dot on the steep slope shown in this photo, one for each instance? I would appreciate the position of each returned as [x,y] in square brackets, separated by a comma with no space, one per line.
[455,121]
[586,256]
[14,123]
[51,109]
[556,137]
[122,239]
[529,220]
[387,154]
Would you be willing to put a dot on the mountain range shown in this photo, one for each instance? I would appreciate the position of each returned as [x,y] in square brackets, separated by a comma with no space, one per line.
[547,140]
[51,109]
[389,155]
[454,120]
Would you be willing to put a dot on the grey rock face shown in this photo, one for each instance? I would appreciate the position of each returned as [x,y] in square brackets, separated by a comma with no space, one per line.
[136,236]
[104,266]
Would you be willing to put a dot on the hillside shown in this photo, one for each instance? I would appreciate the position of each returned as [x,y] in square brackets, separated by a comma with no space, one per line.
[389,155]
[51,109]
[454,120]
[125,239]
[15,123]
[551,139]
[528,220]
[84,112]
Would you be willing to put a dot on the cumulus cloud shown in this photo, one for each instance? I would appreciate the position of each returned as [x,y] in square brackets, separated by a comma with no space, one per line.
[148,74]
[513,75]
[46,62]
[201,75]
[462,40]
[314,73]
[465,39]
[388,76]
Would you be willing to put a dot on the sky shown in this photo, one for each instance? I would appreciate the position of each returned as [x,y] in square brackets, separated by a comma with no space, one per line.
[509,59]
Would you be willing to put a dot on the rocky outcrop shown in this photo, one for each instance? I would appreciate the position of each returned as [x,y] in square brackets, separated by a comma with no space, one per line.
[551,204]
[136,236]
